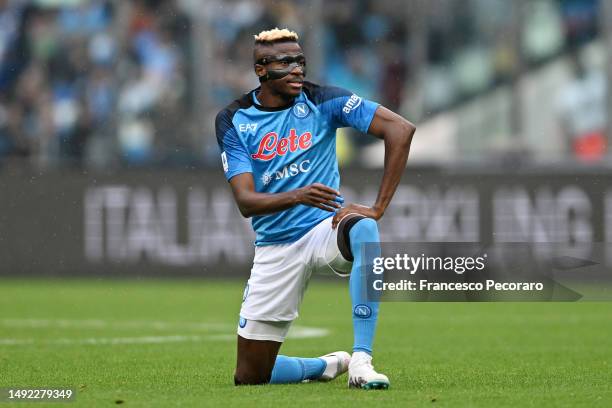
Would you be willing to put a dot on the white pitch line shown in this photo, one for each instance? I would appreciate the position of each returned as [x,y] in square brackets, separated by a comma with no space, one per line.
[15,342]
[296,332]
[129,340]
[107,340]
[103,324]
[303,332]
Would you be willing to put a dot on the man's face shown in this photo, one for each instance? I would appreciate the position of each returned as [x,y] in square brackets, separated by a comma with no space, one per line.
[291,84]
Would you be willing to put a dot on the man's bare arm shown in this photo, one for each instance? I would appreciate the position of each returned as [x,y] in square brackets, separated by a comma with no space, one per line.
[397,134]
[251,202]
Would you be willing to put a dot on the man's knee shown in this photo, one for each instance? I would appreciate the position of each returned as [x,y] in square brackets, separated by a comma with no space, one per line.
[255,361]
[251,376]
[365,229]
[355,229]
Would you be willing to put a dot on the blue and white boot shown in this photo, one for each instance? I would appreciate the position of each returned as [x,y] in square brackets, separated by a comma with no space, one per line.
[337,364]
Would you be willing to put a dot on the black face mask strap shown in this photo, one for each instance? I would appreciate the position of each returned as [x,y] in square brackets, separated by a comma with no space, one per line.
[273,74]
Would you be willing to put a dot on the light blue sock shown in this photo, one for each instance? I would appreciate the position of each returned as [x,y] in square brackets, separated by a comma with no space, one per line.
[295,369]
[365,313]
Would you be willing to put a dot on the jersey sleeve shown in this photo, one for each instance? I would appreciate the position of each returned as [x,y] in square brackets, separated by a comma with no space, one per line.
[346,109]
[234,156]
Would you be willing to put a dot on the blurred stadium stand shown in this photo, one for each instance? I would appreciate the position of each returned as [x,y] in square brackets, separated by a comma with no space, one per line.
[112,84]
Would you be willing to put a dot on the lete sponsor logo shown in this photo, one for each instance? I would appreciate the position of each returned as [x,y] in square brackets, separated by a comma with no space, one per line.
[272,145]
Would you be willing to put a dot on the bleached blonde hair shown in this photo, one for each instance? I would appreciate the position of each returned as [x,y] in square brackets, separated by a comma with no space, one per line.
[276,35]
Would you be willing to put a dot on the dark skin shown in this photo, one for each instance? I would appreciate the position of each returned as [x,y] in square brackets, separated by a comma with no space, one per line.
[256,358]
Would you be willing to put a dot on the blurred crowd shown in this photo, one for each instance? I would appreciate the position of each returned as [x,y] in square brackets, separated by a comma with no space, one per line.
[97,80]
[104,82]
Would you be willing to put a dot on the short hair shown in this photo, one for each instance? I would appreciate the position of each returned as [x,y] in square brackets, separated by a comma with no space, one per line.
[276,35]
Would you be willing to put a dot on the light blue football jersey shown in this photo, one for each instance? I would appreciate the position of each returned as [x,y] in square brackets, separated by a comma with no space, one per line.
[287,148]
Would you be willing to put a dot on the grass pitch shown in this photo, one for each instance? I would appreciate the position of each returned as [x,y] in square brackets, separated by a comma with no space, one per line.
[171,343]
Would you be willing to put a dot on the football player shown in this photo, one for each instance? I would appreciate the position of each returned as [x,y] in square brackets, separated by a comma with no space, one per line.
[278,150]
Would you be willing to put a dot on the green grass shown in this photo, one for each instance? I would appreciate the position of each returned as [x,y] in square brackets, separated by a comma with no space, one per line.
[436,354]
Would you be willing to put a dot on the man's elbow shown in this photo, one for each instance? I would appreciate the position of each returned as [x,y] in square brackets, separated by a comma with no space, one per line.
[406,129]
[411,127]
[245,211]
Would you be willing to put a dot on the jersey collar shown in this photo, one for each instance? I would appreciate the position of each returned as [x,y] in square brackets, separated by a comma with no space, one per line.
[258,106]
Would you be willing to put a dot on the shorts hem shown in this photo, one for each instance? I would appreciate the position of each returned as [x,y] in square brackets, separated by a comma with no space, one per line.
[261,337]
[268,318]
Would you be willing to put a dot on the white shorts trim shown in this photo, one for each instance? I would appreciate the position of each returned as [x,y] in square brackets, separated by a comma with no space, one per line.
[258,330]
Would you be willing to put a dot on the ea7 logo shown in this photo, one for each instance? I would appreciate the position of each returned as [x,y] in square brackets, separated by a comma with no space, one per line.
[245,127]
[352,104]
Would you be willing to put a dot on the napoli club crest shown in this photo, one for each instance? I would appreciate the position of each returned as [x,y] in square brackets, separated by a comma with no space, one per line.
[362,311]
[301,110]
